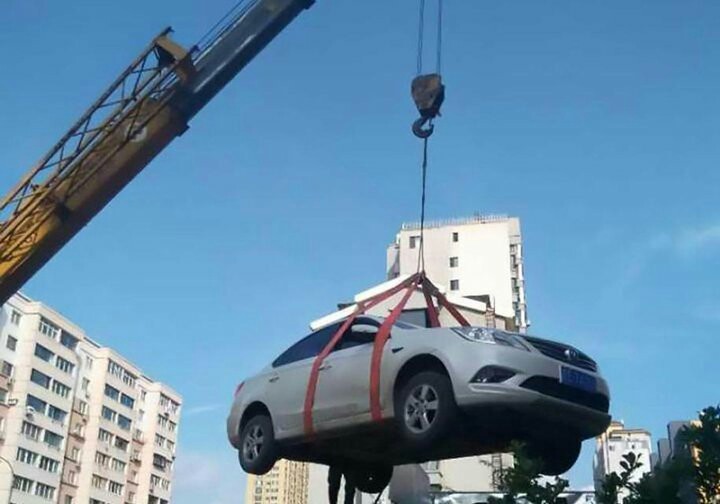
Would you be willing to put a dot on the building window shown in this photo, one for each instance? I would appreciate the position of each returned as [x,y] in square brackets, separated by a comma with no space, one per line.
[128,401]
[104,435]
[108,414]
[3,398]
[48,328]
[112,392]
[11,343]
[88,362]
[49,465]
[143,395]
[40,378]
[414,241]
[53,440]
[31,431]
[124,422]
[26,456]
[115,487]
[456,236]
[82,407]
[15,317]
[85,384]
[75,454]
[7,369]
[60,389]
[99,482]
[36,404]
[56,413]
[44,491]
[68,340]
[454,285]
[121,443]
[22,484]
[43,353]
[64,365]
[454,262]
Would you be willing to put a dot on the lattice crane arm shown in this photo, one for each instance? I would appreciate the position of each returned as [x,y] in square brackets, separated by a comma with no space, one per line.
[142,111]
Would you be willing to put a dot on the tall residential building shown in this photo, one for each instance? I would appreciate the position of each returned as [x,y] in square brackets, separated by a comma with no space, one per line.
[78,422]
[477,257]
[616,442]
[286,483]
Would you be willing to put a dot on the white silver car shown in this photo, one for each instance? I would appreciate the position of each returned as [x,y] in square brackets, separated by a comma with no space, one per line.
[444,393]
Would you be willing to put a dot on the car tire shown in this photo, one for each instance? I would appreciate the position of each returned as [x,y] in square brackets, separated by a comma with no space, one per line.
[425,409]
[258,450]
[556,457]
[371,479]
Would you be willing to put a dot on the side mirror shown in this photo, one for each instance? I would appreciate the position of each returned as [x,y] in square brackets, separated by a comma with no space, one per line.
[364,329]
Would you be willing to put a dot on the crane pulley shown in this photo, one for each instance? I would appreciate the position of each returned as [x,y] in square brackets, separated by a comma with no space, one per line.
[427,89]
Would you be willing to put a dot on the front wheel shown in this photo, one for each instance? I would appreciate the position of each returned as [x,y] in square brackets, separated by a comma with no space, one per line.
[258,450]
[557,457]
[370,479]
[425,409]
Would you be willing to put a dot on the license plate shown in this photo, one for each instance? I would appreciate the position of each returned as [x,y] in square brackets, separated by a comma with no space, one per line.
[577,379]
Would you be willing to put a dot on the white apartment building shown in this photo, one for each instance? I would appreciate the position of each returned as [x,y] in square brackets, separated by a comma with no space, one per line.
[616,442]
[78,423]
[477,257]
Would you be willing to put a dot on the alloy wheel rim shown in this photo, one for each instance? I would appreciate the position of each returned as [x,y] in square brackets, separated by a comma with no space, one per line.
[253,444]
[421,409]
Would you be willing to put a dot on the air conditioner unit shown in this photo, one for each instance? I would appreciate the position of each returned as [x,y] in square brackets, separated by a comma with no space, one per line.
[29,412]
[11,382]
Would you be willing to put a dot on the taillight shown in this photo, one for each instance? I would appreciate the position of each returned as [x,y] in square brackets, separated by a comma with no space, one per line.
[238,388]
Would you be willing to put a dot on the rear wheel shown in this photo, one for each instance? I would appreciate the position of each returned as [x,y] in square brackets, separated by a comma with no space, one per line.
[425,408]
[370,479]
[258,450]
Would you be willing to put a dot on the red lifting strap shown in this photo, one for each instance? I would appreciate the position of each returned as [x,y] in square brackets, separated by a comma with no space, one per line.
[410,285]
[381,338]
[315,371]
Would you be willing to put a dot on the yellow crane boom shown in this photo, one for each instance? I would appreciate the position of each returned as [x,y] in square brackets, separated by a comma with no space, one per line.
[147,106]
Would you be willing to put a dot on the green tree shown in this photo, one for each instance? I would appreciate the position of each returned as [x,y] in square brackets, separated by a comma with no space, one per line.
[703,440]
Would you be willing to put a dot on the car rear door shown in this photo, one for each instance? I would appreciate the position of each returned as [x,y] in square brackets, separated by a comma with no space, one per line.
[288,381]
[343,392]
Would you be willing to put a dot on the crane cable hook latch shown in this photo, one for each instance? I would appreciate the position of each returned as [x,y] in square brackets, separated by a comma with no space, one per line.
[428,92]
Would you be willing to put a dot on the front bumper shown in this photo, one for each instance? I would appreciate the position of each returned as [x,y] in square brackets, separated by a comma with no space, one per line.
[551,403]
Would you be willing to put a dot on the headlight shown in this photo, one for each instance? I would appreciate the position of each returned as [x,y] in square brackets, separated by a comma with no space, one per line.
[492,336]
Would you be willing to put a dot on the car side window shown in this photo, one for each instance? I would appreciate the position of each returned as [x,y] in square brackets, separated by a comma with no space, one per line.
[307,347]
[353,338]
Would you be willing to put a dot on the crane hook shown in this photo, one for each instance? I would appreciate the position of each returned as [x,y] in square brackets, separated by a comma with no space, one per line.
[419,131]
[428,93]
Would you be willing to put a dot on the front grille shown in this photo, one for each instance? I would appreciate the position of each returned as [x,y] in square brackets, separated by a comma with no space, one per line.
[558,351]
[553,388]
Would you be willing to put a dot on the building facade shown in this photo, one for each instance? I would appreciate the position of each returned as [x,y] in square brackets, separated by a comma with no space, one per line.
[478,257]
[286,483]
[79,423]
[613,444]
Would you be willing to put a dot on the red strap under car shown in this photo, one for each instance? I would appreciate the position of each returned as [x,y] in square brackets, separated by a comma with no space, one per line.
[315,371]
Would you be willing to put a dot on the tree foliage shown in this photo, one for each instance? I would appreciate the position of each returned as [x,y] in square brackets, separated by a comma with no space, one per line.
[523,480]
[690,476]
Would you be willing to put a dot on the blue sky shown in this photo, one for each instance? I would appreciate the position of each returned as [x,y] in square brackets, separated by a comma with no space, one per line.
[595,123]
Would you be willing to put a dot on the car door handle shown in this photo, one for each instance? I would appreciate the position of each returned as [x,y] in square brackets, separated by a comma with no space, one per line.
[274,379]
[324,367]
[397,349]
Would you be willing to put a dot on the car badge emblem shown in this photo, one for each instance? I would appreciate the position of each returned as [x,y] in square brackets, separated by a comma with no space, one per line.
[571,354]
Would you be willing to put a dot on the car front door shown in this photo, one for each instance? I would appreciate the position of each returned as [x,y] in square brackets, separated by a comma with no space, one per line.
[288,381]
[343,392]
